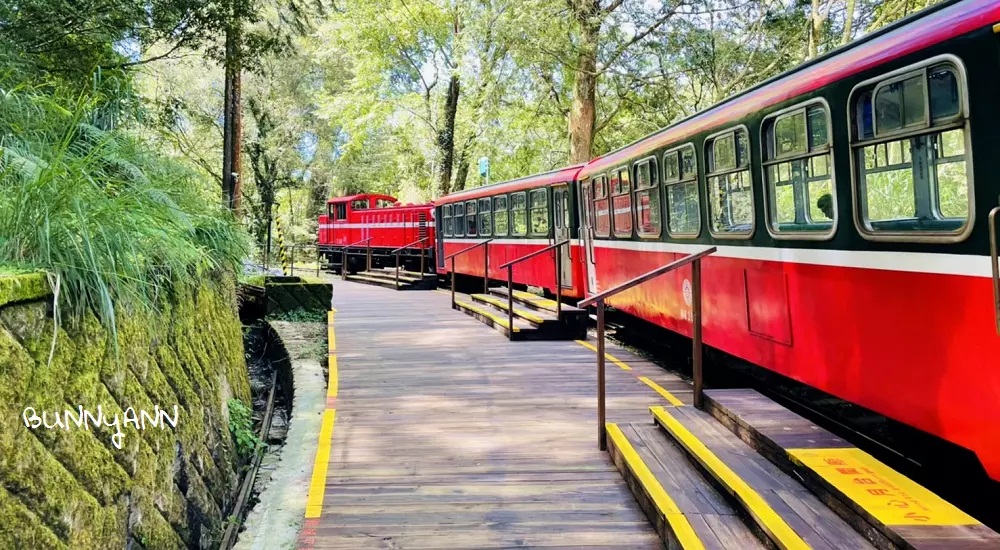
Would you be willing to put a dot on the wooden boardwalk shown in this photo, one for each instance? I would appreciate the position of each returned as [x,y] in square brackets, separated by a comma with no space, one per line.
[447,436]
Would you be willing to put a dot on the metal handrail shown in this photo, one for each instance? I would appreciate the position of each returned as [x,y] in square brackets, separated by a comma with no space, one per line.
[695,261]
[509,266]
[995,260]
[486,266]
[400,249]
[368,254]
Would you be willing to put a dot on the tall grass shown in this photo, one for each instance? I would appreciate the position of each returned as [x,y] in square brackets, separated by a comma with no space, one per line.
[119,224]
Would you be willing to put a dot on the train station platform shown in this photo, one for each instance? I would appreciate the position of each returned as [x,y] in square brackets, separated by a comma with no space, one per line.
[440,433]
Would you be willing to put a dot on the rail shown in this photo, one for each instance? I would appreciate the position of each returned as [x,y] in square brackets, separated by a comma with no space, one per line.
[368,254]
[404,247]
[486,266]
[995,260]
[509,266]
[695,260]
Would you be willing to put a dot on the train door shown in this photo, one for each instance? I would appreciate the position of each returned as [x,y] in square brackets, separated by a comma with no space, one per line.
[587,234]
[561,214]
[995,263]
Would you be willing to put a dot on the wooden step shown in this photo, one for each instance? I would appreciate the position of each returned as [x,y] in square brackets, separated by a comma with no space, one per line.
[391,275]
[536,317]
[888,508]
[779,507]
[536,302]
[686,511]
[492,317]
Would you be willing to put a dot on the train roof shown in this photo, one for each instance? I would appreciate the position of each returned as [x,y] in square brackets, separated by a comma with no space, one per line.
[920,30]
[552,177]
[396,203]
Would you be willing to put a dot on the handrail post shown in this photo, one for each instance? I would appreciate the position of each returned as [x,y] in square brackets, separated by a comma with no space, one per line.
[343,264]
[558,251]
[397,270]
[453,274]
[696,365]
[602,442]
[318,258]
[486,267]
[423,265]
[369,251]
[510,302]
[293,261]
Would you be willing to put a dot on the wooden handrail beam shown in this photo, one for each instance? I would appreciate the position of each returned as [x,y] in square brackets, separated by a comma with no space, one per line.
[404,247]
[645,277]
[535,253]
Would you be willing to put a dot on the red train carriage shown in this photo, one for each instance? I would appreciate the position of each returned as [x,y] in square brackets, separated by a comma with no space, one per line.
[849,201]
[520,217]
[356,222]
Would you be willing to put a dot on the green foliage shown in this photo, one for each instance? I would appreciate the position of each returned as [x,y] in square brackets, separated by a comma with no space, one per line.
[300,315]
[241,428]
[120,225]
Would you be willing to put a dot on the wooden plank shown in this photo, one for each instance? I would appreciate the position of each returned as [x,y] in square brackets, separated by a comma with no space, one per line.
[887,508]
[448,436]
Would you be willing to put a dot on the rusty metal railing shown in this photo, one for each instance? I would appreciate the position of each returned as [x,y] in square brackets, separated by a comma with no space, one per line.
[368,254]
[423,251]
[599,299]
[486,266]
[509,266]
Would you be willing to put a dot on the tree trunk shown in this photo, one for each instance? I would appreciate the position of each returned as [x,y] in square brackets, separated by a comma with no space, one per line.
[848,22]
[446,136]
[814,27]
[583,114]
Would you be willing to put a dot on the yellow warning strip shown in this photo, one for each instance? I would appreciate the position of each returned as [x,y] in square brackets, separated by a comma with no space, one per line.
[484,313]
[660,390]
[610,357]
[502,304]
[666,506]
[783,536]
[996,28]
[317,485]
[314,504]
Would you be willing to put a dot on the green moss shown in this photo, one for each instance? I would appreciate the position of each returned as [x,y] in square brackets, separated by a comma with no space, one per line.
[22,528]
[23,287]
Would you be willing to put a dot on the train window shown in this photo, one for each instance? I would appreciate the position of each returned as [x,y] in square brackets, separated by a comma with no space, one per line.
[621,202]
[470,218]
[602,223]
[539,212]
[683,206]
[383,203]
[518,214]
[910,155]
[340,211]
[485,218]
[458,220]
[446,220]
[647,198]
[730,199]
[798,173]
[359,204]
[501,218]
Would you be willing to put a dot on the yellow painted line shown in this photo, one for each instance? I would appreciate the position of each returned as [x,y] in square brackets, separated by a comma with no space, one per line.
[534,298]
[610,357]
[678,522]
[314,504]
[660,390]
[783,536]
[483,312]
[889,496]
[503,305]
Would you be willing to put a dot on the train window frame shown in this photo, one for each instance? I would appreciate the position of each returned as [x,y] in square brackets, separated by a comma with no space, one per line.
[485,226]
[770,157]
[695,179]
[654,187]
[857,142]
[600,182]
[620,190]
[339,211]
[359,204]
[524,209]
[458,229]
[710,141]
[470,212]
[543,191]
[506,215]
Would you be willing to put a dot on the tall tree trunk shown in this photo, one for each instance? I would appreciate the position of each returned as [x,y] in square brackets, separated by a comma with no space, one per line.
[814,27]
[446,136]
[848,22]
[583,114]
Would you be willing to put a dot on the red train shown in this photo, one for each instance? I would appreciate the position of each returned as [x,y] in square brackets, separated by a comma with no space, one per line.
[851,201]
[356,222]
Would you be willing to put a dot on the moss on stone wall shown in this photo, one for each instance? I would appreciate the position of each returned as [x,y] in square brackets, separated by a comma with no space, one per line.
[71,487]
